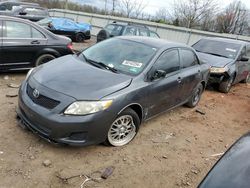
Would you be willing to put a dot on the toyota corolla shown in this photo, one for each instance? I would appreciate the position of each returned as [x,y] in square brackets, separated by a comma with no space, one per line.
[106,92]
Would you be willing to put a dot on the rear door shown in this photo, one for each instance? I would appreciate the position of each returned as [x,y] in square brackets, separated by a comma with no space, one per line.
[21,43]
[190,72]
[164,92]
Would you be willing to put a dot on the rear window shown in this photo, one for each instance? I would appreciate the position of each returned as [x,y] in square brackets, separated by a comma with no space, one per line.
[219,48]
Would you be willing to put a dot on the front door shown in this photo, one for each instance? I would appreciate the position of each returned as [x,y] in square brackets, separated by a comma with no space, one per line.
[165,92]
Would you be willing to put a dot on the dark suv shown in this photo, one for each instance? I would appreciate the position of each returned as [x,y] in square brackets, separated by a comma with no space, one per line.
[228,58]
[129,29]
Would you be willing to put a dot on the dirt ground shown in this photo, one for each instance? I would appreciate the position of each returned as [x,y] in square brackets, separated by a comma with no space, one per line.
[171,150]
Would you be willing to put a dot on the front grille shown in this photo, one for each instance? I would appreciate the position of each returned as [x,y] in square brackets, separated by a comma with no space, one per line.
[41,99]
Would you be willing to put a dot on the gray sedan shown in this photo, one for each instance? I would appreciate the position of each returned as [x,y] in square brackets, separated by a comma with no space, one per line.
[104,93]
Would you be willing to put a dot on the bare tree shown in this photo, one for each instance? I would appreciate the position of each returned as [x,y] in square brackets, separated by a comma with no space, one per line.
[161,14]
[191,12]
[132,7]
[234,19]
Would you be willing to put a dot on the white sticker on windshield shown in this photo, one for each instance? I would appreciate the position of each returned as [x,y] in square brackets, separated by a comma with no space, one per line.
[132,64]
[231,50]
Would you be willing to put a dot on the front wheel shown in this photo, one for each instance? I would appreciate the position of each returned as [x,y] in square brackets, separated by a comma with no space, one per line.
[226,85]
[124,128]
[196,96]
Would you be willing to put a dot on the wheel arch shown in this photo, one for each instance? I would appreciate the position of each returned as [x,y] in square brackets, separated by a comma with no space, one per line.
[136,107]
[46,51]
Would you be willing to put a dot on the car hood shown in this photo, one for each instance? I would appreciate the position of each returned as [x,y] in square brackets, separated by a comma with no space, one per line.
[73,77]
[214,61]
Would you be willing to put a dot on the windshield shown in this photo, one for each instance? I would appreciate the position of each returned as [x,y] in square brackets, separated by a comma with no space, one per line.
[219,48]
[125,56]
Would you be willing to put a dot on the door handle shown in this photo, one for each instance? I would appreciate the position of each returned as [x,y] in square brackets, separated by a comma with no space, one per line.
[35,42]
[179,80]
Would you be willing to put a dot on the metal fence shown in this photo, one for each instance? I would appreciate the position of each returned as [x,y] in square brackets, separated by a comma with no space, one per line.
[168,32]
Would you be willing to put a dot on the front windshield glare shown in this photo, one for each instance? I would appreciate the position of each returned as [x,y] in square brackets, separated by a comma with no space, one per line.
[126,56]
[220,48]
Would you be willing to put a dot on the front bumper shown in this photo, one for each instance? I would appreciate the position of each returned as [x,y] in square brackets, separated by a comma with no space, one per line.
[56,127]
[215,78]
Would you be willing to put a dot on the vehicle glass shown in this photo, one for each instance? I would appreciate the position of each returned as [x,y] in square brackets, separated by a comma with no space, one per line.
[220,48]
[169,61]
[114,30]
[143,32]
[130,31]
[35,11]
[248,50]
[3,7]
[126,56]
[17,30]
[37,34]
[188,58]
[153,34]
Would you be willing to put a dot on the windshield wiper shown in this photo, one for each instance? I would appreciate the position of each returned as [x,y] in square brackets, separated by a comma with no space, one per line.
[216,54]
[99,64]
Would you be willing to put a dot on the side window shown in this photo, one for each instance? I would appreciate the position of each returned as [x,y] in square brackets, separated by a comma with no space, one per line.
[17,30]
[143,32]
[3,7]
[130,31]
[188,58]
[248,50]
[169,61]
[243,51]
[36,34]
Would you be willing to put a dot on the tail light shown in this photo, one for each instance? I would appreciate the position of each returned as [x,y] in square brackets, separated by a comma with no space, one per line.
[70,46]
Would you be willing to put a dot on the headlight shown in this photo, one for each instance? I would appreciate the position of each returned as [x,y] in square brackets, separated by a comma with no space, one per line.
[28,74]
[87,107]
[217,70]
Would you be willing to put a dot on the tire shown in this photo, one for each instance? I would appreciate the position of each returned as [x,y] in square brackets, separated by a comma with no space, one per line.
[123,129]
[44,59]
[226,85]
[247,79]
[80,37]
[196,96]
[102,35]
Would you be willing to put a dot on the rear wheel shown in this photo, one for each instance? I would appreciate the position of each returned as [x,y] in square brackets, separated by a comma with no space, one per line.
[226,85]
[124,128]
[80,37]
[196,96]
[44,59]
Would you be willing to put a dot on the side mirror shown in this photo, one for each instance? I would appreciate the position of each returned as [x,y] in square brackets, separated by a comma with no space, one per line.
[158,74]
[22,13]
[244,58]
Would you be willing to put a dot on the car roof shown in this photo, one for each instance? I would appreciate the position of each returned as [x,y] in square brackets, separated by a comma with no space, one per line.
[2,17]
[154,42]
[220,39]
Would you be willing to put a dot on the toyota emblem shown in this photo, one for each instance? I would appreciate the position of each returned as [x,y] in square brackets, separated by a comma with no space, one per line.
[36,93]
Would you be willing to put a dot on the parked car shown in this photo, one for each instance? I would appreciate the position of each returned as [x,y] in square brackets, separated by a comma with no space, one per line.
[63,26]
[24,44]
[10,5]
[30,11]
[232,170]
[129,29]
[104,93]
[228,58]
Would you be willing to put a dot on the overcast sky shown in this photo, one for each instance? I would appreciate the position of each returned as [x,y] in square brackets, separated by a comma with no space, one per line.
[154,5]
